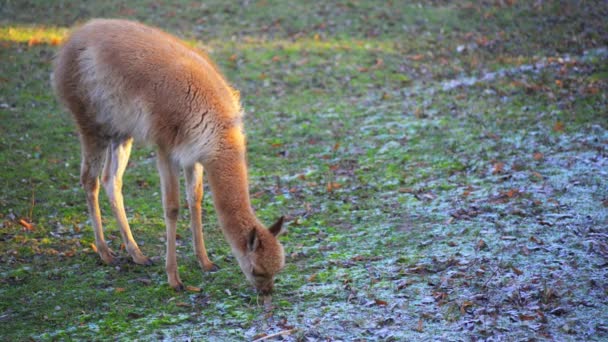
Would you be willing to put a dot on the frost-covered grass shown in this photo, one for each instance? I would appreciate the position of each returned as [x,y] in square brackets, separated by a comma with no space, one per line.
[426,200]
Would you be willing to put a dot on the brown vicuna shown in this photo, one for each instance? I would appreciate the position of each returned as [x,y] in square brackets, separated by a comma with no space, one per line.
[123,80]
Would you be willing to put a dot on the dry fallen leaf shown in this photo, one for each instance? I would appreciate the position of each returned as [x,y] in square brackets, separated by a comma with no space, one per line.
[193,288]
[558,127]
[517,270]
[28,226]
[498,167]
[466,304]
[381,302]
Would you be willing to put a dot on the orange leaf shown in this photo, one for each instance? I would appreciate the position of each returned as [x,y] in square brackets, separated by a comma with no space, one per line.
[538,156]
[418,57]
[193,288]
[558,127]
[28,226]
[419,326]
[517,270]
[381,302]
[498,167]
[55,41]
[120,289]
[512,193]
[466,304]
[33,41]
[93,247]
[332,185]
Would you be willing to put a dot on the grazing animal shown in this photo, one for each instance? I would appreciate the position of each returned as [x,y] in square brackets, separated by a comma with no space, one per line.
[123,80]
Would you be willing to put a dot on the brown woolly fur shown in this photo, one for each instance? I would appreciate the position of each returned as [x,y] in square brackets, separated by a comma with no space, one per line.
[123,80]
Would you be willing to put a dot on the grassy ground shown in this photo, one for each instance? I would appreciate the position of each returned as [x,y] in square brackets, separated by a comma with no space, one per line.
[443,167]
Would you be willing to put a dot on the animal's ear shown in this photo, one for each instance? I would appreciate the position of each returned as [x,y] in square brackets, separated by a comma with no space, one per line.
[252,240]
[277,228]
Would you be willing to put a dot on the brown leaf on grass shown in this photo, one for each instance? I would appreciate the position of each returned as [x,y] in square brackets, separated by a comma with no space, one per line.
[558,127]
[28,226]
[183,304]
[538,156]
[481,245]
[56,41]
[498,167]
[119,289]
[466,304]
[34,41]
[381,302]
[591,90]
[331,186]
[524,317]
[536,240]
[312,278]
[417,57]
[193,288]
[517,270]
[419,326]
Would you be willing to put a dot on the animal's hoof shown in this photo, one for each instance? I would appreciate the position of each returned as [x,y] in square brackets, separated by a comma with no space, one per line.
[108,256]
[211,267]
[143,260]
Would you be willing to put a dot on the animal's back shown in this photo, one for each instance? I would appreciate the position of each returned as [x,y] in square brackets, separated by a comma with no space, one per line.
[122,78]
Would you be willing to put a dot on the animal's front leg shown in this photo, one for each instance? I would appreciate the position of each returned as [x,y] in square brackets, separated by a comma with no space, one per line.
[169,173]
[194,190]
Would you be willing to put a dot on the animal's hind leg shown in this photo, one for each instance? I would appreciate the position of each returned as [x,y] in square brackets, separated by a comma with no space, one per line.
[116,163]
[92,158]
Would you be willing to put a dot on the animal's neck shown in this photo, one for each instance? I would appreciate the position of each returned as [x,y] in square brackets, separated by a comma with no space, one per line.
[228,180]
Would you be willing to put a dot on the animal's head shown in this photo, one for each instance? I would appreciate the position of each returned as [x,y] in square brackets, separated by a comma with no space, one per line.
[263,257]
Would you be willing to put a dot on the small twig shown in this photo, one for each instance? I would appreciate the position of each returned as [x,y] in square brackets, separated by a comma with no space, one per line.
[284,332]
[492,275]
